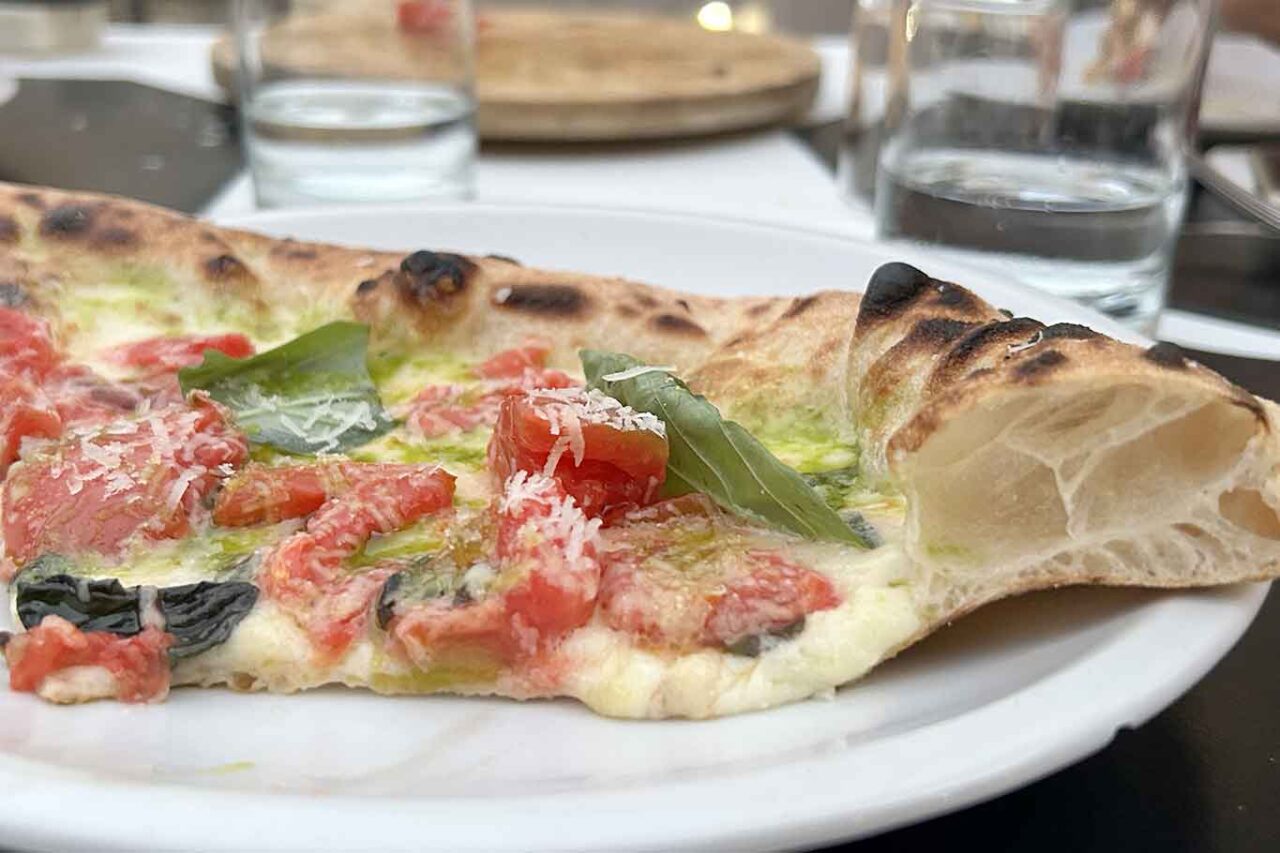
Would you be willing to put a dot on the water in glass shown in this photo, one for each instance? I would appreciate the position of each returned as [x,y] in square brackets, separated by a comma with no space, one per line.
[347,141]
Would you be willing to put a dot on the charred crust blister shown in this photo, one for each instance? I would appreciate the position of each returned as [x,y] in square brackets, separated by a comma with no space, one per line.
[973,343]
[938,330]
[426,276]
[9,231]
[1068,331]
[677,324]
[506,259]
[1040,364]
[66,220]
[222,267]
[32,200]
[114,237]
[1167,355]
[556,300]
[366,286]
[895,287]
[799,306]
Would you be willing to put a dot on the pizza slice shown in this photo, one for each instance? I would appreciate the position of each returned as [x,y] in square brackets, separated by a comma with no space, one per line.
[273,465]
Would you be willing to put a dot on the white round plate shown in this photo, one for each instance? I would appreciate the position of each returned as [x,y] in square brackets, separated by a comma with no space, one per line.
[1009,694]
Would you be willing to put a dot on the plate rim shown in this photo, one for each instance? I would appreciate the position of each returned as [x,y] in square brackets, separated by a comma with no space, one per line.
[822,815]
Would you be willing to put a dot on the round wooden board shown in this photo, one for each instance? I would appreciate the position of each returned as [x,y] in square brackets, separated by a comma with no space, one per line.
[553,76]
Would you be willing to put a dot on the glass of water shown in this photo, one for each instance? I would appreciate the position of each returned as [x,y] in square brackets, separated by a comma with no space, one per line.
[357,100]
[1044,137]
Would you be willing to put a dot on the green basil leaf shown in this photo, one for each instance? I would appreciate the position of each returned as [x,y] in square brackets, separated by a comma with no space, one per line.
[310,395]
[718,457]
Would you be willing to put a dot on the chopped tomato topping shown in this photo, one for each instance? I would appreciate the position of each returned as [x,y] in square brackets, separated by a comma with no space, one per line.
[774,595]
[693,504]
[512,363]
[138,663]
[173,352]
[547,576]
[304,573]
[261,493]
[688,580]
[422,16]
[84,397]
[101,485]
[26,344]
[25,411]
[604,453]
[443,409]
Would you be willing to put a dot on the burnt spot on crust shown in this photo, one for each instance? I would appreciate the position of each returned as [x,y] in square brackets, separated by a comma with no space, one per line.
[223,267]
[367,285]
[32,200]
[431,276]
[758,309]
[1017,330]
[554,300]
[1041,364]
[737,340]
[506,259]
[210,237]
[895,287]
[1166,355]
[66,220]
[980,372]
[891,289]
[1068,331]
[684,303]
[644,300]
[625,310]
[110,238]
[678,325]
[936,331]
[301,254]
[9,231]
[12,295]
[1247,401]
[799,306]
[1008,315]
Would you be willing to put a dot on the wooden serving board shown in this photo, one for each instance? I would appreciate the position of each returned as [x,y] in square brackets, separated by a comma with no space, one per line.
[555,76]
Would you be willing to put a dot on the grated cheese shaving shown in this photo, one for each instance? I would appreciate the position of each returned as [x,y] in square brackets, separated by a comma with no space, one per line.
[638,370]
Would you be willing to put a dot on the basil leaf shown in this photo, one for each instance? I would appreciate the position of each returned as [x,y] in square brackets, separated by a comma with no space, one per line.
[710,454]
[310,395]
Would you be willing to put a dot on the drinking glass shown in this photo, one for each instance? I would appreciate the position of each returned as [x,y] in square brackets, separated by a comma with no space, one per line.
[357,100]
[1047,138]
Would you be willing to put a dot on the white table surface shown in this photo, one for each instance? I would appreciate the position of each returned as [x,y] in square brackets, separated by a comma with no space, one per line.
[765,176]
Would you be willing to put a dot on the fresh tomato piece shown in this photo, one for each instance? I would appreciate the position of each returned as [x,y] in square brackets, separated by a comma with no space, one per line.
[304,574]
[26,344]
[139,664]
[546,576]
[689,581]
[512,363]
[262,493]
[101,485]
[604,453]
[172,352]
[422,16]
[84,397]
[24,412]
[774,595]
[440,410]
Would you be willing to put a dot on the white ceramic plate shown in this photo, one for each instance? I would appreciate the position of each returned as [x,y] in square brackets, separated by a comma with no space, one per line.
[1006,696]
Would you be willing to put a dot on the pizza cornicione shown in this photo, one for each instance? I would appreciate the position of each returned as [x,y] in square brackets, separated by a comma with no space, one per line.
[274,465]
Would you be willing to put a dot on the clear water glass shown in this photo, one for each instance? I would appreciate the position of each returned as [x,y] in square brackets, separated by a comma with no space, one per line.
[347,101]
[1046,138]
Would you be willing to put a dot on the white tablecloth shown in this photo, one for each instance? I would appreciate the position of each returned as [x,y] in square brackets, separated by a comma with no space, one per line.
[766,176]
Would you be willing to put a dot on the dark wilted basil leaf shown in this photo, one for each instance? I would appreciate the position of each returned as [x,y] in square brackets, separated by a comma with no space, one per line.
[199,615]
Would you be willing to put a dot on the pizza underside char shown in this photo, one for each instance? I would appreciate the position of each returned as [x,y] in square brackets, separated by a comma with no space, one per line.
[273,465]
